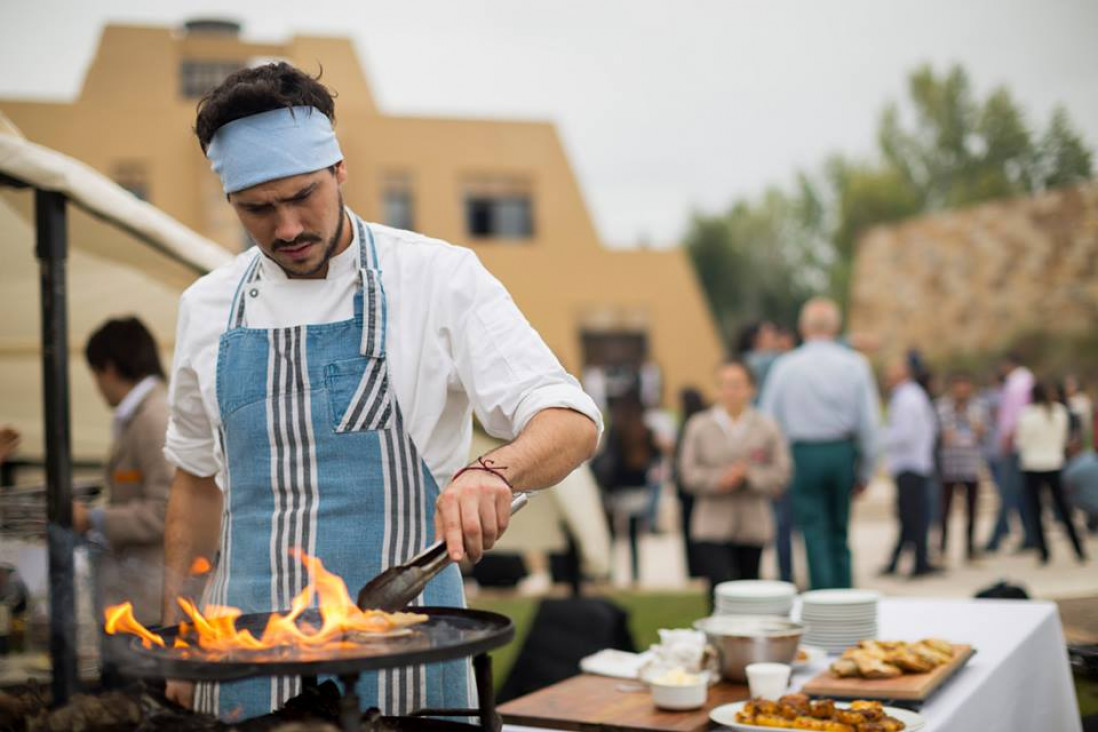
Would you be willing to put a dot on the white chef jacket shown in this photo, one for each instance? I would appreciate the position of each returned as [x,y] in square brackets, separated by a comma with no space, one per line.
[456,344]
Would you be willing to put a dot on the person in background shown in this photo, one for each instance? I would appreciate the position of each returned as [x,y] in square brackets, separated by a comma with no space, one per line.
[1080,404]
[909,441]
[9,442]
[1080,479]
[760,346]
[785,340]
[1058,393]
[1041,437]
[963,423]
[824,398]
[124,361]
[1015,395]
[691,402]
[734,460]
[624,470]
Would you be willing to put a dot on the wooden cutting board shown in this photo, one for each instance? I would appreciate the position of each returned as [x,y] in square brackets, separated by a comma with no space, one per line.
[588,702]
[909,687]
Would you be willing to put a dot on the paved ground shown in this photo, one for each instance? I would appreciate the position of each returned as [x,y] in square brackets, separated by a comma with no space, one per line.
[873,532]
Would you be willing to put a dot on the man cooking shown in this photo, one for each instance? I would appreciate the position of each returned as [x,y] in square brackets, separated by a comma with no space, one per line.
[322,391]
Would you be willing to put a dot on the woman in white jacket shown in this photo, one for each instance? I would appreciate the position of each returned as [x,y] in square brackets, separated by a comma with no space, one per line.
[1041,438]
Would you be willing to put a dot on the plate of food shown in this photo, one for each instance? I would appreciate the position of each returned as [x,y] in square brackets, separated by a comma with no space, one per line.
[873,659]
[891,670]
[808,656]
[797,711]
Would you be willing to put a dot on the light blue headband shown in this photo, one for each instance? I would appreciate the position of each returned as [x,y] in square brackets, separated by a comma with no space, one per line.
[272,145]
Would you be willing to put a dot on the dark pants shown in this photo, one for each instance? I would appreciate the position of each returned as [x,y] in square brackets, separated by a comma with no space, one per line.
[1034,482]
[823,480]
[783,537]
[971,490]
[913,510]
[686,505]
[1009,482]
[725,561]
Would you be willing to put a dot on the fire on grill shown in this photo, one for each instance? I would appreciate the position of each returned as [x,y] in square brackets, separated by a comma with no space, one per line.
[213,632]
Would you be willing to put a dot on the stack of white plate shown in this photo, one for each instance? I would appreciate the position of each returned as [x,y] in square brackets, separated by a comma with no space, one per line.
[754,597]
[838,619]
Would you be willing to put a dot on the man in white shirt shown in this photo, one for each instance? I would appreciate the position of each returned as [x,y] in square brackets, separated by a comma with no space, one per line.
[323,389]
[912,429]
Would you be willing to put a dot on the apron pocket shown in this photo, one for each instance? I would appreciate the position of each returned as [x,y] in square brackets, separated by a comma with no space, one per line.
[358,394]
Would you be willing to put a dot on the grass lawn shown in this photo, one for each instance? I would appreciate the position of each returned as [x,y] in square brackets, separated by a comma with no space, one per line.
[648,612]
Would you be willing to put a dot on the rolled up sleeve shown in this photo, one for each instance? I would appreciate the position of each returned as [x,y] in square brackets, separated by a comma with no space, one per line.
[189,444]
[504,365]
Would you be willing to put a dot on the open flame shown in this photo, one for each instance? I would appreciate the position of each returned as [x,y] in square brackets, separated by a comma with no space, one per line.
[215,627]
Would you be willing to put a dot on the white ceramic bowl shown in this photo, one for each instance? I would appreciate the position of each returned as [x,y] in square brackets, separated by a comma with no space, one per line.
[680,697]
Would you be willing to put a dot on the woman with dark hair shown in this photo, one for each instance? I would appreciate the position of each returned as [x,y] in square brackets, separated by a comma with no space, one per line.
[1041,438]
[691,402]
[623,470]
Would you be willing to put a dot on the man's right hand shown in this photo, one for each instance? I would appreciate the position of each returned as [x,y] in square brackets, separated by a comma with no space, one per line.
[180,692]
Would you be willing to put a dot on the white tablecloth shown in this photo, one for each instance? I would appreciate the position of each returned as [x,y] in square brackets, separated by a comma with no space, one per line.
[1019,679]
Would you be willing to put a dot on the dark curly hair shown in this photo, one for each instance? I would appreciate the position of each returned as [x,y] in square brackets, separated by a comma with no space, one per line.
[128,345]
[260,89]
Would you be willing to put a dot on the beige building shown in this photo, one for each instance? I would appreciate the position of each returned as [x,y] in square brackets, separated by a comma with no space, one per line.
[505,189]
[970,282]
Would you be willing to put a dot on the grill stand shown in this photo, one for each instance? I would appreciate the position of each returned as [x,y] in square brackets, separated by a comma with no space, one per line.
[351,720]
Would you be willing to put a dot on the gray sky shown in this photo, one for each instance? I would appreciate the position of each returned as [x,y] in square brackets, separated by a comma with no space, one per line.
[664,106]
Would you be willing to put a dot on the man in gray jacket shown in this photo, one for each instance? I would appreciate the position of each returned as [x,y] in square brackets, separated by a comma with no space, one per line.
[123,359]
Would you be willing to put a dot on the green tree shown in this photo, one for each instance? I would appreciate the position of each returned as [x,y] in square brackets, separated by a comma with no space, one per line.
[1064,159]
[942,148]
[757,259]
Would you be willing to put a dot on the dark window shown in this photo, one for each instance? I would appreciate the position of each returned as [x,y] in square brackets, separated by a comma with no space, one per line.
[506,216]
[399,209]
[198,77]
[134,177]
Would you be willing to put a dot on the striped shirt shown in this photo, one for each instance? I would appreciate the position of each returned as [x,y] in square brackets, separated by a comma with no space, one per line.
[961,429]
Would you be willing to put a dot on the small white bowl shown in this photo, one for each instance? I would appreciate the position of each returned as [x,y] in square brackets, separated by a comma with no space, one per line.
[680,697]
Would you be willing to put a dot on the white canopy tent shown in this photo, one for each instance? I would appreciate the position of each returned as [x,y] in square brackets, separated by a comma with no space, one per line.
[154,259]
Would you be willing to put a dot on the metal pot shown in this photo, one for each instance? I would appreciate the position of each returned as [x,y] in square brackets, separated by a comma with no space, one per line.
[744,639]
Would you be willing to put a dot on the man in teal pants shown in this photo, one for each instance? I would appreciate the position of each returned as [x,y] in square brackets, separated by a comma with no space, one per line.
[824,397]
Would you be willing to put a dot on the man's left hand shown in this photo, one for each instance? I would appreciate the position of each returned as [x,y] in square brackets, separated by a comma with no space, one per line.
[472,513]
[81,521]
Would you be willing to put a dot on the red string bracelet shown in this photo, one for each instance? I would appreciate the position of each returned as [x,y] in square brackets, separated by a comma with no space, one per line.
[487,465]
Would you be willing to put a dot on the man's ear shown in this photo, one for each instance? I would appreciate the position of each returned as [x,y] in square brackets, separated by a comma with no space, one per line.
[341,172]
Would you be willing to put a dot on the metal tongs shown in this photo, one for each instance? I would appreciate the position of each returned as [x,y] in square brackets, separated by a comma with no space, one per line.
[397,586]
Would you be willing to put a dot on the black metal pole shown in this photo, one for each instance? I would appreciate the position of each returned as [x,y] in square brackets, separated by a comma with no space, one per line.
[52,250]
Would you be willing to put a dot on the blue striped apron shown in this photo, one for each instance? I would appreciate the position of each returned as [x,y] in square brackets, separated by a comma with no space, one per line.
[317,457]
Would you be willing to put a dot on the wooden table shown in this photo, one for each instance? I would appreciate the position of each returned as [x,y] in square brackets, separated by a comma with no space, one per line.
[597,704]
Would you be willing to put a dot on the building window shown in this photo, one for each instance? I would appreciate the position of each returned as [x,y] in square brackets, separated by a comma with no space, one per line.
[499,208]
[398,201]
[133,175]
[198,77]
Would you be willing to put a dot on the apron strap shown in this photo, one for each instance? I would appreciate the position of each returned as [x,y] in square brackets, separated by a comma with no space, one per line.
[372,293]
[236,310]
[369,300]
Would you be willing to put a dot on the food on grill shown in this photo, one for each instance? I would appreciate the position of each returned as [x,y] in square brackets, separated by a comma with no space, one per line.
[214,628]
[797,711]
[873,659]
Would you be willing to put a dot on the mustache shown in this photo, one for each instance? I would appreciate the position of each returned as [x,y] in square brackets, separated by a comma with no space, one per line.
[297,241]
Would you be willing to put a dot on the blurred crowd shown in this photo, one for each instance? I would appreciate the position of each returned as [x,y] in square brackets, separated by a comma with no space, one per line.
[801,424]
